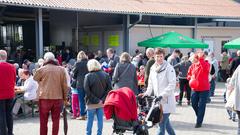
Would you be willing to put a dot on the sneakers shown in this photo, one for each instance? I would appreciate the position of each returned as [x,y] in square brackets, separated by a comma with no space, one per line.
[198,125]
[234,120]
[188,102]
[81,118]
[180,103]
[74,117]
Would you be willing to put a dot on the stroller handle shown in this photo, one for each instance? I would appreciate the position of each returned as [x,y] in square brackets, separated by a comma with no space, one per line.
[154,98]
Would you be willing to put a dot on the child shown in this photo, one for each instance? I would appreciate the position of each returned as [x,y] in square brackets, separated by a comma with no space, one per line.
[140,77]
[228,96]
[75,104]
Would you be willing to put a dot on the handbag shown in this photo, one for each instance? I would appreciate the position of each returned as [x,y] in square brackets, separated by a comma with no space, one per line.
[230,100]
[193,82]
[121,75]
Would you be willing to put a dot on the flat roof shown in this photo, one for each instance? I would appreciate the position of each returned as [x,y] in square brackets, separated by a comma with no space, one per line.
[183,8]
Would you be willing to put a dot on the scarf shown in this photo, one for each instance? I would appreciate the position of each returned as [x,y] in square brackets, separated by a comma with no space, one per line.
[162,67]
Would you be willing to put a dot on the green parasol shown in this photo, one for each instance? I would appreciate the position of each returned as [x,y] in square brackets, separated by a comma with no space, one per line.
[234,44]
[172,40]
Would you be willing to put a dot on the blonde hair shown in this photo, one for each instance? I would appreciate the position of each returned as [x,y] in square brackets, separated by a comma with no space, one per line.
[194,58]
[81,55]
[93,65]
[125,57]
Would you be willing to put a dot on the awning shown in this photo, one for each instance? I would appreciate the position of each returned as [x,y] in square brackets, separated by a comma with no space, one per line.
[183,8]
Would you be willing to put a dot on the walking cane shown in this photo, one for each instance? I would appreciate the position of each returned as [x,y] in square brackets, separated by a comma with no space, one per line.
[65,123]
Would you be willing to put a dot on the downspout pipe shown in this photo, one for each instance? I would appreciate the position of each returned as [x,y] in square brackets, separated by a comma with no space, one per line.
[138,21]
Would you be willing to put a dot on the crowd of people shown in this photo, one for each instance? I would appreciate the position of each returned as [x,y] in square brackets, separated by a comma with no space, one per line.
[83,83]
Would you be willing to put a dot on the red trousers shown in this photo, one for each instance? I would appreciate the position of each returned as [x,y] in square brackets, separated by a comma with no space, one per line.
[45,107]
[75,105]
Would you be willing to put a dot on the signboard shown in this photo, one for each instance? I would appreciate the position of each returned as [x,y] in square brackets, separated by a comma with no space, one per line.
[113,40]
[95,40]
[85,40]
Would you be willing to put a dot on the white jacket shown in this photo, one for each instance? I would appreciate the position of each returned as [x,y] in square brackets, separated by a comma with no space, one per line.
[163,83]
[235,82]
[30,87]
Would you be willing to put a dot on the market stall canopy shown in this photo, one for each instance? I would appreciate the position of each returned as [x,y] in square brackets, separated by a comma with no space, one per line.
[172,40]
[234,44]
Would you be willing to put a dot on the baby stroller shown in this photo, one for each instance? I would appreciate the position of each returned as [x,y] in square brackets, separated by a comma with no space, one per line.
[121,106]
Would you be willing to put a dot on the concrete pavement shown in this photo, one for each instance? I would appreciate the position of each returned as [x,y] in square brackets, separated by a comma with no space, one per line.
[216,121]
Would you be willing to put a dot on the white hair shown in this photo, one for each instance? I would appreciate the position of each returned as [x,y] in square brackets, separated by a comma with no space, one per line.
[20,72]
[150,50]
[3,55]
[40,61]
[16,65]
[238,53]
[49,56]
[93,65]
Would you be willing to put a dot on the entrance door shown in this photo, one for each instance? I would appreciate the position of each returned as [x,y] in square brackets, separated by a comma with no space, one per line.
[210,43]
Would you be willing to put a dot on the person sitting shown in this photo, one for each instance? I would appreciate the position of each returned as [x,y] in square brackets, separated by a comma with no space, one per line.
[29,89]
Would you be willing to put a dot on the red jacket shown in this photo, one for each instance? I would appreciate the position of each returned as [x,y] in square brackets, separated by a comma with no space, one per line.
[7,80]
[201,71]
[140,78]
[121,102]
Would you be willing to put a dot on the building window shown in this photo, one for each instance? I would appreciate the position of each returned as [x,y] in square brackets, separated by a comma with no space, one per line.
[223,49]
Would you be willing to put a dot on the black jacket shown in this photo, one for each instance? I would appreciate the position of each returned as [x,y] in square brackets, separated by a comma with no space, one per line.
[183,69]
[79,72]
[96,85]
[234,65]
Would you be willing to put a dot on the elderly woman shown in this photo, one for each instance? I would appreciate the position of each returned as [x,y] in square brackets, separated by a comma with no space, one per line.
[125,74]
[235,88]
[30,86]
[199,82]
[79,72]
[29,89]
[97,84]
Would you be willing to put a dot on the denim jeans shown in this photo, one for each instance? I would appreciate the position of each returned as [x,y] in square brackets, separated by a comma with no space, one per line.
[81,96]
[90,119]
[6,119]
[199,100]
[212,87]
[238,113]
[165,124]
[231,114]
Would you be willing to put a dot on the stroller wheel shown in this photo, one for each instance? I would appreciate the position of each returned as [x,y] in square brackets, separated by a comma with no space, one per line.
[142,130]
[143,133]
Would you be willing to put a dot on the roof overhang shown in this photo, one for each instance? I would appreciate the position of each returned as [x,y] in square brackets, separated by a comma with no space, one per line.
[174,8]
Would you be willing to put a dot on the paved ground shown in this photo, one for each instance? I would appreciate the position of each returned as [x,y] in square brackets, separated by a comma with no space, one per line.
[215,123]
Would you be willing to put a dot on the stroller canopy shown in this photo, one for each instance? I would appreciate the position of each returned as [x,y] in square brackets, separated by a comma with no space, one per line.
[121,103]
